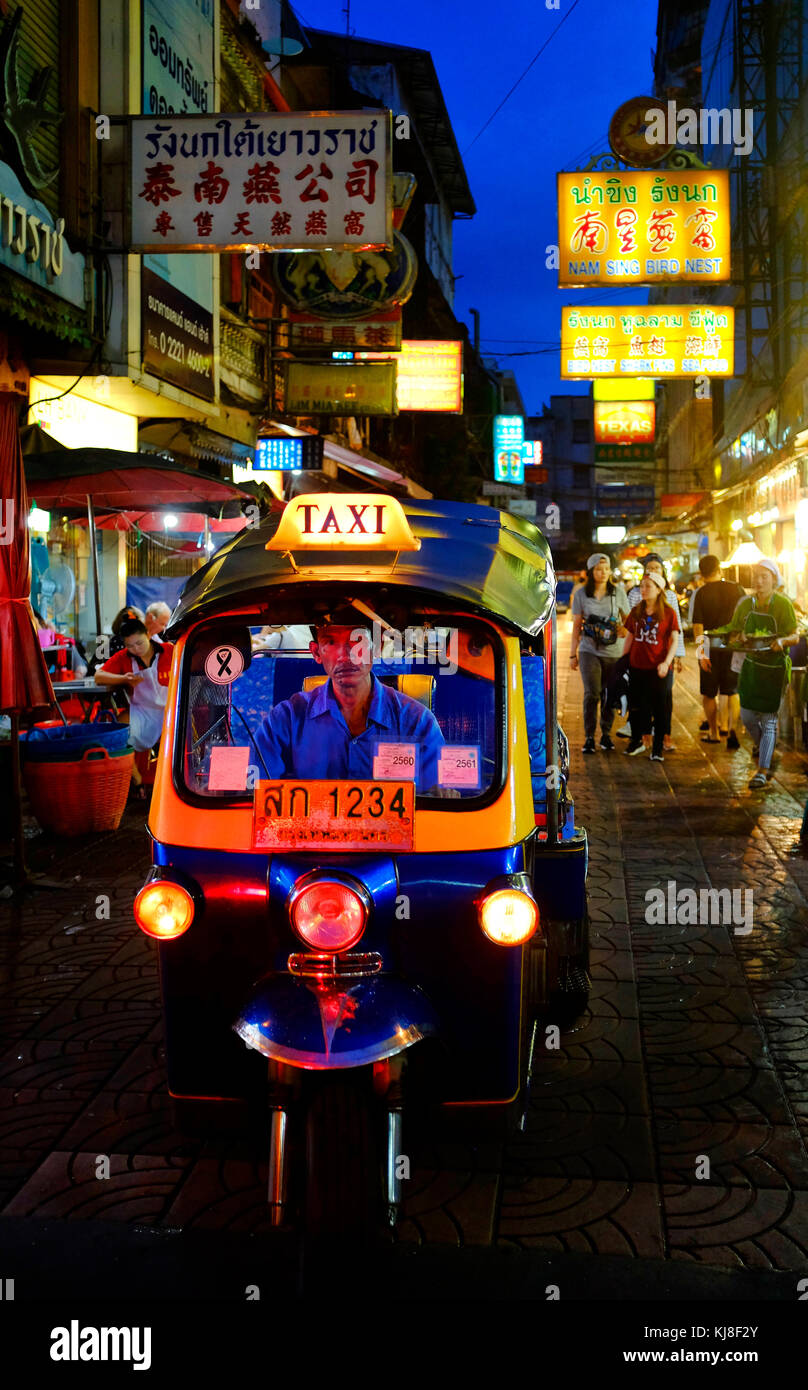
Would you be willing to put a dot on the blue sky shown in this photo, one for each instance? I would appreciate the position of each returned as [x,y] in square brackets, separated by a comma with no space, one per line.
[556,119]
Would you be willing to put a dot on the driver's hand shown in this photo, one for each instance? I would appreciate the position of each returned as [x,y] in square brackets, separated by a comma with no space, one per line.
[704,663]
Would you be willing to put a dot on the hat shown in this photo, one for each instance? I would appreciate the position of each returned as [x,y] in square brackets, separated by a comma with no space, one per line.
[593,560]
[657,579]
[652,555]
[766,564]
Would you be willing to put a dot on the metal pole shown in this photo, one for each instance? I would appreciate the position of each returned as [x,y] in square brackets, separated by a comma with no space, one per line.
[20,869]
[94,554]
[551,734]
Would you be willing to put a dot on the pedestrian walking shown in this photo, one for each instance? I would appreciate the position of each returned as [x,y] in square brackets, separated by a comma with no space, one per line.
[713,606]
[598,610]
[764,673]
[653,564]
[651,645]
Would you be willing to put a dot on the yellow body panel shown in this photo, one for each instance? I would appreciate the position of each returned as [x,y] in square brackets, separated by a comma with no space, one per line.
[507,821]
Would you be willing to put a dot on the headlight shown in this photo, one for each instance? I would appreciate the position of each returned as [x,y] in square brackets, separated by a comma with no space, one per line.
[164,910]
[329,914]
[508,917]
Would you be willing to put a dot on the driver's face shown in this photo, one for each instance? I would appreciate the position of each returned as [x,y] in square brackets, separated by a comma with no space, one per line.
[345,654]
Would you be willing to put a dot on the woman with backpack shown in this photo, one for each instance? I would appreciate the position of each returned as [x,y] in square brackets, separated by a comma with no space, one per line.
[653,633]
[598,610]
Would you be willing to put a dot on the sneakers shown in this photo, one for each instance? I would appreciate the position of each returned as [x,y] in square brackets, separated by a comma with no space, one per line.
[624,732]
[657,758]
[759,780]
[589,746]
[606,743]
[732,741]
[635,747]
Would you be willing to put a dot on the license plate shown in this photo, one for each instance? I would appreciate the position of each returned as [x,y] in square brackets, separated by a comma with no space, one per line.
[333,815]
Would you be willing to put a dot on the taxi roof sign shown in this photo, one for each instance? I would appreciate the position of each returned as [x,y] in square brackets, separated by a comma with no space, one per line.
[344,521]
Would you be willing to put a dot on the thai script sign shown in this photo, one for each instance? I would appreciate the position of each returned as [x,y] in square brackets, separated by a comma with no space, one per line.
[671,340]
[277,180]
[640,227]
[177,336]
[177,56]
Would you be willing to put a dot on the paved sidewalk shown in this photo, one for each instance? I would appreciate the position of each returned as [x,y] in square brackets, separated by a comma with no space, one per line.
[669,1131]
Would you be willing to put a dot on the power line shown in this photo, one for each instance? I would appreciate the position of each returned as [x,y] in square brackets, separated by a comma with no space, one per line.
[521,79]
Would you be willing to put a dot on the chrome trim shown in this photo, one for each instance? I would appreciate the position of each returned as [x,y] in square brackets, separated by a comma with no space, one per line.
[328,876]
[394,1136]
[323,966]
[276,1192]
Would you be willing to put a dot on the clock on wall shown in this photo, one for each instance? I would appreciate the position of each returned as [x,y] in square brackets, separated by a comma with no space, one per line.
[627,133]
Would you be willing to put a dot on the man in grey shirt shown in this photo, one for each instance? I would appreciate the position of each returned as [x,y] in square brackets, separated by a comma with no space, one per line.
[598,606]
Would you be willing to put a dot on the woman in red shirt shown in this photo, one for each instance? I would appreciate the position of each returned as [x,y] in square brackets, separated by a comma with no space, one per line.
[650,645]
[143,667]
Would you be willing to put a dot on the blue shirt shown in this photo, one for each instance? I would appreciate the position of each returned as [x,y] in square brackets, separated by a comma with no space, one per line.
[307,736]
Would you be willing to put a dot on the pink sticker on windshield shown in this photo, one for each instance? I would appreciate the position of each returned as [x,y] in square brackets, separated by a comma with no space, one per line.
[228,769]
[459,766]
[395,761]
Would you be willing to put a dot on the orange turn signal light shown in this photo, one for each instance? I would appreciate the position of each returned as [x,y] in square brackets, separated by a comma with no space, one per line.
[164,909]
[508,917]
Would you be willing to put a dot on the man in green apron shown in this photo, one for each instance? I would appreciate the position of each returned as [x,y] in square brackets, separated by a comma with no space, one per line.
[764,672]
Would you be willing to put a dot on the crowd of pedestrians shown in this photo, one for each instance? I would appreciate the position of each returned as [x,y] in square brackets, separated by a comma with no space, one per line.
[628,647]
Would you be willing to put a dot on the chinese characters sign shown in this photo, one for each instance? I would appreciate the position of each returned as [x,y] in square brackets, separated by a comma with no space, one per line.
[280,181]
[308,332]
[509,436]
[340,388]
[665,340]
[639,227]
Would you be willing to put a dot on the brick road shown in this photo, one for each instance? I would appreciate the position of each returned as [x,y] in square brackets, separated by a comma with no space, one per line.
[694,1047]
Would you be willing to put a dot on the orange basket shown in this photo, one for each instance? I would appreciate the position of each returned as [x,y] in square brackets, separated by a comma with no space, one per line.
[76,798]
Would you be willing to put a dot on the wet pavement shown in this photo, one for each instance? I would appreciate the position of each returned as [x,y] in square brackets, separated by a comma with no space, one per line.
[667,1134]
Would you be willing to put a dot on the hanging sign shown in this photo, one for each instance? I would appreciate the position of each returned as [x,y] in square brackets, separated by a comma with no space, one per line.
[509,436]
[670,340]
[632,227]
[340,388]
[273,180]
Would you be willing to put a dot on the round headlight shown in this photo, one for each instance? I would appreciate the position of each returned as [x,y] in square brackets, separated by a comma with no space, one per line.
[328,915]
[508,917]
[164,910]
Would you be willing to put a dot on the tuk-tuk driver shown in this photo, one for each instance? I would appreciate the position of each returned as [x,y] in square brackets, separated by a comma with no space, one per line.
[340,728]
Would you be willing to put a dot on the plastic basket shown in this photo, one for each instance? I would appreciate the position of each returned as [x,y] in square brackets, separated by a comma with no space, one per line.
[78,797]
[65,742]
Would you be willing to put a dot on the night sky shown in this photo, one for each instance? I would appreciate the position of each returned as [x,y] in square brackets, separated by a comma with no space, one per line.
[556,119]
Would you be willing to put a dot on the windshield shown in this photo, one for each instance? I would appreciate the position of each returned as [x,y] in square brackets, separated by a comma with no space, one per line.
[360,704]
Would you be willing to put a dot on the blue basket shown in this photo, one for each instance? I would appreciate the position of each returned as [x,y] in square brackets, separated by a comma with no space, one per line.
[66,742]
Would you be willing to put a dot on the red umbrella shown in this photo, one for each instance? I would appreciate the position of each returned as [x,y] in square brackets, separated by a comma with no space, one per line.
[24,681]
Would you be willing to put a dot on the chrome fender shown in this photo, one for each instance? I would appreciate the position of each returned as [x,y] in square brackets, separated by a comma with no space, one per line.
[322,1025]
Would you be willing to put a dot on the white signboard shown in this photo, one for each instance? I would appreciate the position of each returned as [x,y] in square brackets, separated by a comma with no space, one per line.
[276,180]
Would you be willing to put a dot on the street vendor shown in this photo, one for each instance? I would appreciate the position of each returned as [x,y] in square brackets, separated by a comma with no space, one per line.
[764,673]
[142,667]
[338,729]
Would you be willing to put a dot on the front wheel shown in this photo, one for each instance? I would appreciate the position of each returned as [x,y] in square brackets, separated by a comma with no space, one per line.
[568,981]
[344,1147]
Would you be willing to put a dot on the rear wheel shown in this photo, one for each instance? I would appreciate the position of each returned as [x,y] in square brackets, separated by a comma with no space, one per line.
[343,1135]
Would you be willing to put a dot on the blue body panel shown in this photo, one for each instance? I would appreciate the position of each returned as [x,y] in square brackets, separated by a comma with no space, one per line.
[424,925]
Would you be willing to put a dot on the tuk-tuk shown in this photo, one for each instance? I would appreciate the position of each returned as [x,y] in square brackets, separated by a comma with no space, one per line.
[352,921]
